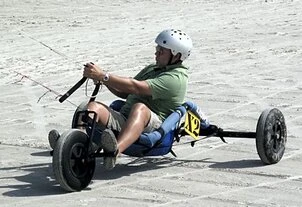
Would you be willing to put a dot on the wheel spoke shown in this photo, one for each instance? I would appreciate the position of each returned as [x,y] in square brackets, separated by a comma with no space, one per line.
[78,161]
[77,152]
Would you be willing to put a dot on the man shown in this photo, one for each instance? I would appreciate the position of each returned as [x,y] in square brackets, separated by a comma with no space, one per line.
[150,96]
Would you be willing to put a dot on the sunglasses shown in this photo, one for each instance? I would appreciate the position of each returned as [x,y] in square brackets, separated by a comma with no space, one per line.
[160,50]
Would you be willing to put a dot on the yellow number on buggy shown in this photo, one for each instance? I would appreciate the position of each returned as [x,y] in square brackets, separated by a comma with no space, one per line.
[192,125]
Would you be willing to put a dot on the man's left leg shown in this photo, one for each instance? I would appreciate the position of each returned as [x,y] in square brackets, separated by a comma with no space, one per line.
[138,119]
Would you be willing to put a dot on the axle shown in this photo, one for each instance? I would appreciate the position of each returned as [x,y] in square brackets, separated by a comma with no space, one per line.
[213,130]
[236,134]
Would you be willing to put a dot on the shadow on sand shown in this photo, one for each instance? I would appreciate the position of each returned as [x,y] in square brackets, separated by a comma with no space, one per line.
[40,179]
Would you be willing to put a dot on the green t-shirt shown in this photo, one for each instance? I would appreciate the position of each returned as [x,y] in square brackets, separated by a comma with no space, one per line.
[168,86]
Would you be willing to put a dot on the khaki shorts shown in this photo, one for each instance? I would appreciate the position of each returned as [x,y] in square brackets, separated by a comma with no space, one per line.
[117,121]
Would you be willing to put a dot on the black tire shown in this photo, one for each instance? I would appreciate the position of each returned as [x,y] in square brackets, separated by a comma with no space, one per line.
[81,107]
[271,136]
[72,162]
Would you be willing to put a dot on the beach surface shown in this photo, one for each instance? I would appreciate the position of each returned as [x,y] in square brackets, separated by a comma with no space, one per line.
[247,57]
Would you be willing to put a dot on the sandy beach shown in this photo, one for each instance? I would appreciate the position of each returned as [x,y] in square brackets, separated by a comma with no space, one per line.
[247,57]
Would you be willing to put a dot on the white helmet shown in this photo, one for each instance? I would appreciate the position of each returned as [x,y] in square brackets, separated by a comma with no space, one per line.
[175,40]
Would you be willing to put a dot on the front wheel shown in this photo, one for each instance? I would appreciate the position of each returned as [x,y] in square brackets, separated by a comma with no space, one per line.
[73,163]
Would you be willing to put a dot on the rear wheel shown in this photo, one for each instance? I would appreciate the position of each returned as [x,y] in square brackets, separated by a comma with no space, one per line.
[271,136]
[73,163]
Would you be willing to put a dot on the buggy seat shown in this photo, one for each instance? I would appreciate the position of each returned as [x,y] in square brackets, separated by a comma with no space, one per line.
[159,141]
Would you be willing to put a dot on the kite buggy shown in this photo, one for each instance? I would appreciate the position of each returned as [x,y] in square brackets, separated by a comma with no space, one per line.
[74,157]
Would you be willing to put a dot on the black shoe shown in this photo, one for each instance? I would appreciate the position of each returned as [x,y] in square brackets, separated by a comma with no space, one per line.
[109,144]
[53,137]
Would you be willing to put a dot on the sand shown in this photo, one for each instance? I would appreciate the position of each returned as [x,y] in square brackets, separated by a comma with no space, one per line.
[247,57]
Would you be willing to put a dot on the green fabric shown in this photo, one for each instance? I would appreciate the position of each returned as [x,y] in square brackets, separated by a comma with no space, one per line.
[168,86]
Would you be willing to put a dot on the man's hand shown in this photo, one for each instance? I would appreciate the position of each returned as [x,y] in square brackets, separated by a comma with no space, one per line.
[93,72]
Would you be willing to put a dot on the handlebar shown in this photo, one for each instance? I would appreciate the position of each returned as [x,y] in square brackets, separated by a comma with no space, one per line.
[78,85]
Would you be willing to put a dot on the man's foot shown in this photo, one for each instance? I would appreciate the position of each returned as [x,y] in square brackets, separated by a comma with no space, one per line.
[53,137]
[109,144]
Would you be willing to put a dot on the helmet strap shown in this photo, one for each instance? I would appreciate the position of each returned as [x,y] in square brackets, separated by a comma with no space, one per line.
[171,58]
